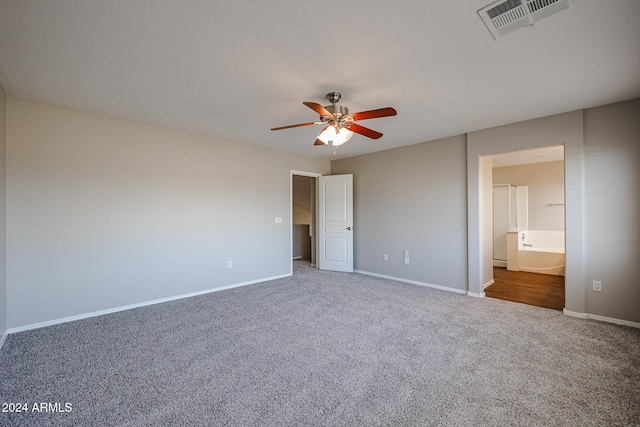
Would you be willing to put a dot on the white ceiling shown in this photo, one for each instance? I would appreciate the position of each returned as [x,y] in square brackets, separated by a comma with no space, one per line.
[236,69]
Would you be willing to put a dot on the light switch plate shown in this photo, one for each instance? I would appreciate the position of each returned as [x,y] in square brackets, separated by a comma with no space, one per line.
[597,285]
[278,220]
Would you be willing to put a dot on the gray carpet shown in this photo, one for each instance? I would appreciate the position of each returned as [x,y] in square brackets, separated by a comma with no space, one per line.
[324,348]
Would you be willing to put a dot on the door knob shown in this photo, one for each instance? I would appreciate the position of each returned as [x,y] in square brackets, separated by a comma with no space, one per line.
[348,228]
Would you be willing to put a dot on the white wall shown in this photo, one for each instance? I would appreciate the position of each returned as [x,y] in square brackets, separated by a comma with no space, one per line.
[546,185]
[411,198]
[3,218]
[104,213]
[612,209]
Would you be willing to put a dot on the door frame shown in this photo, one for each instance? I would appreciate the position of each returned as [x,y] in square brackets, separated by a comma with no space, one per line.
[314,175]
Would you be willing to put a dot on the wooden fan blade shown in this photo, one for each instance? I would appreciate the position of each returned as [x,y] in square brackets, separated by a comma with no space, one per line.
[318,109]
[295,126]
[364,131]
[374,114]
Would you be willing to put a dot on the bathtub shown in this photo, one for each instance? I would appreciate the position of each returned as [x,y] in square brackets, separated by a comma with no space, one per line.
[542,252]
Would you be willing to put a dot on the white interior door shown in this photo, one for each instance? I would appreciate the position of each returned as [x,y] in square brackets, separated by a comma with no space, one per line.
[335,197]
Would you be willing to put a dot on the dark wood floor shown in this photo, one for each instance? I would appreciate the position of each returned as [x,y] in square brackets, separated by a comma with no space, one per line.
[542,290]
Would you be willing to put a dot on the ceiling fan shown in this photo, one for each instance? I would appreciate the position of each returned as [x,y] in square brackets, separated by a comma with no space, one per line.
[340,125]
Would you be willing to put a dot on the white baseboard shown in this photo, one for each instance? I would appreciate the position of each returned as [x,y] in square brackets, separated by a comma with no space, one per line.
[413,282]
[601,318]
[575,314]
[499,263]
[137,305]
[489,283]
[476,295]
[3,339]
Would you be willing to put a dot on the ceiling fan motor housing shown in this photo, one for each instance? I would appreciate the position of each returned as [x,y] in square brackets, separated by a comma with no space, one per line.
[337,110]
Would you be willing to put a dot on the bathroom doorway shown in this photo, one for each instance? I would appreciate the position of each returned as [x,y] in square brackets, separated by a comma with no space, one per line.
[528,227]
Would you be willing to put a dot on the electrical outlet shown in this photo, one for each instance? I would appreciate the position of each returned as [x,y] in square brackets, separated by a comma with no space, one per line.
[385,257]
[406,254]
[229,264]
[406,260]
[597,285]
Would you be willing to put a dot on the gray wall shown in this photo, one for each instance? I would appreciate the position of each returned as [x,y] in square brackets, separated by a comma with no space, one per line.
[415,198]
[612,214]
[411,198]
[301,242]
[546,185]
[104,213]
[303,199]
[3,217]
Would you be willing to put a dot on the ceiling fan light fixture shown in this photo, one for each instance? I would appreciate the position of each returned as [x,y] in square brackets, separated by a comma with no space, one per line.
[344,135]
[335,136]
[327,134]
[339,124]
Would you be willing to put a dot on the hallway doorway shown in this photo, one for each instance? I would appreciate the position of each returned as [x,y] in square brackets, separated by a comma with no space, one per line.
[303,217]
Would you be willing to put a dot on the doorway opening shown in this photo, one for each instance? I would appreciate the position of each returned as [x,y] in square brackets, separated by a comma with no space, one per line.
[321,221]
[303,218]
[528,227]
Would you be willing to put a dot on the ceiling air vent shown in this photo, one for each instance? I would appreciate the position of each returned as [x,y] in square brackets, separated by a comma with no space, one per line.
[505,16]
